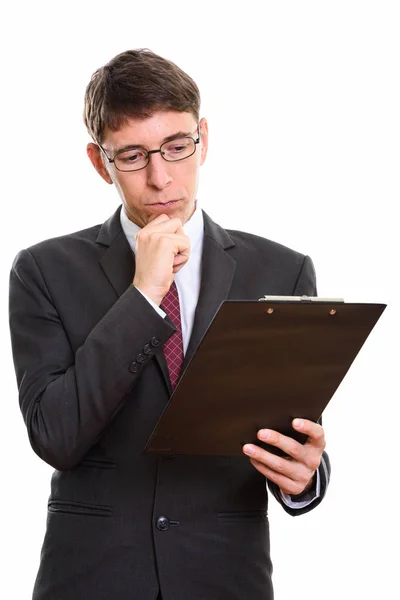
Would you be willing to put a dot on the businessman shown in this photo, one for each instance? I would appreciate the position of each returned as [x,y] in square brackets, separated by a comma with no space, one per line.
[102,323]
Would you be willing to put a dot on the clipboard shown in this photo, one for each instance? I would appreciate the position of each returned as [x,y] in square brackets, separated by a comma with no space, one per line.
[259,365]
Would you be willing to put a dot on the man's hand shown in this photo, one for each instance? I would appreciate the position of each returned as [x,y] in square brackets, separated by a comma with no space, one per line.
[162,249]
[293,474]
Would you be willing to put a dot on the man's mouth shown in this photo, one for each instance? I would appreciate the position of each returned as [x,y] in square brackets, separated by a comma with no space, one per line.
[169,203]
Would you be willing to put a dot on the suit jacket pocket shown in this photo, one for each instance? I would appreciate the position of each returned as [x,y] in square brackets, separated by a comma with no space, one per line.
[243,516]
[79,508]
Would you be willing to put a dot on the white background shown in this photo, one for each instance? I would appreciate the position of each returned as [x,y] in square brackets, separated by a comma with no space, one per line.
[303,104]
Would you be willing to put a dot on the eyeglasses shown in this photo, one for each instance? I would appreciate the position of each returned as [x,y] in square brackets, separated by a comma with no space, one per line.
[136,158]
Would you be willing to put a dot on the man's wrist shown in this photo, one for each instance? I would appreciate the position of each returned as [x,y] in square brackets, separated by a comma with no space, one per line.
[153,304]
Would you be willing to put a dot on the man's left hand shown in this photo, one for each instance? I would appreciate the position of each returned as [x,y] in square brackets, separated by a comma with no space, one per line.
[294,473]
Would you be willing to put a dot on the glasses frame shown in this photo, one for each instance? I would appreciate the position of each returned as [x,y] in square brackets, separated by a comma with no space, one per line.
[149,152]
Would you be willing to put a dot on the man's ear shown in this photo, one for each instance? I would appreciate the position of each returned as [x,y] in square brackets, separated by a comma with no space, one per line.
[94,153]
[203,126]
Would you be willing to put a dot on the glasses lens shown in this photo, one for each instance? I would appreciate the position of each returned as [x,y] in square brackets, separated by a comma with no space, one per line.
[178,149]
[131,160]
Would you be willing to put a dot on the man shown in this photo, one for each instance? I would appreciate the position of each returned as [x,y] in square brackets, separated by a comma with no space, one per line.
[92,329]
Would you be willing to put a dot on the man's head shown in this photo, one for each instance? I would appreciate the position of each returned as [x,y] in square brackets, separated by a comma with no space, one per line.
[138,102]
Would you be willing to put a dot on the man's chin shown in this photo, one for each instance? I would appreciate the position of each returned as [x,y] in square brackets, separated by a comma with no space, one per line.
[175,209]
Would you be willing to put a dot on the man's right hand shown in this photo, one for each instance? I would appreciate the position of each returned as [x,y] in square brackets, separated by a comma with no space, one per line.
[162,249]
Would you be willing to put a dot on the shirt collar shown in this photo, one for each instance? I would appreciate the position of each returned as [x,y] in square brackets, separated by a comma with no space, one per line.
[194,228]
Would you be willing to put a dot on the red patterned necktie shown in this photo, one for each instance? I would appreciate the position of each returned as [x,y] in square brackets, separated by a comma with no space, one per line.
[173,348]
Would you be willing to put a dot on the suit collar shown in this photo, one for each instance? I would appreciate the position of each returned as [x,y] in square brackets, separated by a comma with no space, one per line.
[216,233]
[110,229]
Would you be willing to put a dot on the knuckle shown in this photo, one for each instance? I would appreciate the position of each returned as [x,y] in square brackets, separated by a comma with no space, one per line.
[295,449]
[306,476]
[175,222]
[297,487]
[163,240]
[314,462]
[150,236]
[281,466]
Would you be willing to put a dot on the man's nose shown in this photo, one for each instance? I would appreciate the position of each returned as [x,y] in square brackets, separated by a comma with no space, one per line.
[158,172]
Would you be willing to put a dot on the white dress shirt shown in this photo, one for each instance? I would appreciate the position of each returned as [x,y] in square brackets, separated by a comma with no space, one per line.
[188,285]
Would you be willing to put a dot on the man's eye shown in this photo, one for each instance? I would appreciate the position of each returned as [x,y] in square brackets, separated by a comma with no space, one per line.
[130,157]
[176,148]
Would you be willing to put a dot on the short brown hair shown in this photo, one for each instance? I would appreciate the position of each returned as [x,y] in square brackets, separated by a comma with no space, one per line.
[135,84]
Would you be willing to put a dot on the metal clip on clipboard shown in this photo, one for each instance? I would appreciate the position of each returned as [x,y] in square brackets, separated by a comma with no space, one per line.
[299,299]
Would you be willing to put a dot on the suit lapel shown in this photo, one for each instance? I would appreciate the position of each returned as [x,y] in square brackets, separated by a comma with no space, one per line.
[118,264]
[217,270]
[118,260]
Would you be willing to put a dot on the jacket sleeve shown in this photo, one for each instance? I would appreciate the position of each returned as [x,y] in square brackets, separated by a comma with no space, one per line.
[67,399]
[306,285]
[324,471]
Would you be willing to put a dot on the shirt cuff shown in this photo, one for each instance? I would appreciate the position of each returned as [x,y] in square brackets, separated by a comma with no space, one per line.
[153,304]
[306,498]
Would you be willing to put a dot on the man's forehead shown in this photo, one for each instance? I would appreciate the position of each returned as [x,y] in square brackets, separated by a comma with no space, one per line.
[151,130]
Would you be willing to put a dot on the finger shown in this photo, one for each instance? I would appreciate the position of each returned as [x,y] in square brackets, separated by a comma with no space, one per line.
[180,259]
[314,431]
[290,446]
[180,230]
[178,268]
[159,219]
[166,225]
[278,464]
[286,484]
[162,224]
[182,242]
[166,242]
[180,247]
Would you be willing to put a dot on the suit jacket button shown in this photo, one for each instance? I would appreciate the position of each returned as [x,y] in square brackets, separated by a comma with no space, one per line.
[162,523]
[134,368]
[147,349]
[154,342]
[140,358]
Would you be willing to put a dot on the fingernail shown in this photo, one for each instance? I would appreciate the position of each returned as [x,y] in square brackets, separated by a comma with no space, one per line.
[249,450]
[298,423]
[263,434]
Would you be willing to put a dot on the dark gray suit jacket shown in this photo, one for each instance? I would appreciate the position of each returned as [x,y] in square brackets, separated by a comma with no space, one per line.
[93,382]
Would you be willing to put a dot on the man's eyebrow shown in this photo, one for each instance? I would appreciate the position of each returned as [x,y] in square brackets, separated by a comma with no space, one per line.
[178,134]
[169,138]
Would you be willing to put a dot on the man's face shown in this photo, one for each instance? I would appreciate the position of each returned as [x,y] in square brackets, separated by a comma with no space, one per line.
[162,187]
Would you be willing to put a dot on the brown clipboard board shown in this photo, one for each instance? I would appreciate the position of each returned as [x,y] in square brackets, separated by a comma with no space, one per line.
[259,365]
